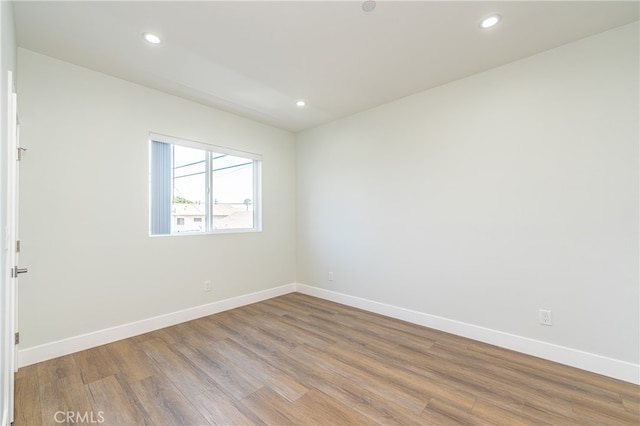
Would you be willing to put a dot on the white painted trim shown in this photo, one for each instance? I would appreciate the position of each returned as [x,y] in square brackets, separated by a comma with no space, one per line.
[52,350]
[610,367]
[157,137]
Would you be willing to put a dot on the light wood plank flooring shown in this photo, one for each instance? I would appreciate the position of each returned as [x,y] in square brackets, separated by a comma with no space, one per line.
[301,360]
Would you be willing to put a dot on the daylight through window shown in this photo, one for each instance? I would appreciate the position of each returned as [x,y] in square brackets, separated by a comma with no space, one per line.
[199,188]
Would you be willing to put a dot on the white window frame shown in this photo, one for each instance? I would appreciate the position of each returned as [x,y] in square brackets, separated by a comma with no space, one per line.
[257,184]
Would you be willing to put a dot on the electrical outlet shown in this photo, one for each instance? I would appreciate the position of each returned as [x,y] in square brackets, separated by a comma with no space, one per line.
[331,277]
[545,317]
[207,285]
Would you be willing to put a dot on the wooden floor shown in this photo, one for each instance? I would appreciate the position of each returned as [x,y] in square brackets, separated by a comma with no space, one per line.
[301,360]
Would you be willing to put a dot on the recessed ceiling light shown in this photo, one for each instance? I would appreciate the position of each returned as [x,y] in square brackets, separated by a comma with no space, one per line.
[151,38]
[301,103]
[368,5]
[490,21]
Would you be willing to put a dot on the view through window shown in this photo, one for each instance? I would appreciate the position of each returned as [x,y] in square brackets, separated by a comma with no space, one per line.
[199,188]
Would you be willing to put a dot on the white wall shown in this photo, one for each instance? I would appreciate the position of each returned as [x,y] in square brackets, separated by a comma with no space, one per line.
[84,205]
[484,200]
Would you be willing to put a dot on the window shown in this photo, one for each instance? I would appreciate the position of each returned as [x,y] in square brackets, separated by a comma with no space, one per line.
[200,188]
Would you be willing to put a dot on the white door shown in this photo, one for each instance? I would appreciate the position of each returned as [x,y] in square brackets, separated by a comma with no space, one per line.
[11,251]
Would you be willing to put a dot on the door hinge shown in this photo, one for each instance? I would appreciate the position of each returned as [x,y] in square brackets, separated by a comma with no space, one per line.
[20,153]
[18,246]
[17,338]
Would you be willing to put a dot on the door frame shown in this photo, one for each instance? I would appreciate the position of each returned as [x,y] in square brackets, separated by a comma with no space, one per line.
[8,292]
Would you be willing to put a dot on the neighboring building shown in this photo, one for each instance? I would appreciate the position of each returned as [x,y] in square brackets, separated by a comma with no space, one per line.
[191,217]
[188,218]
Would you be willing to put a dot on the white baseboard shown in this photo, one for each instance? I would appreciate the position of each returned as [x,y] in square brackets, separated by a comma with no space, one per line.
[610,367]
[614,368]
[52,350]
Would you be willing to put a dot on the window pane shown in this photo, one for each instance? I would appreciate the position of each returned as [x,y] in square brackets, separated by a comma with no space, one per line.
[189,189]
[196,190]
[233,192]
